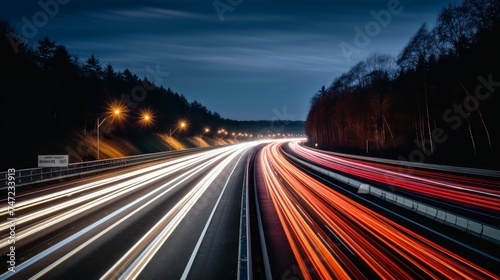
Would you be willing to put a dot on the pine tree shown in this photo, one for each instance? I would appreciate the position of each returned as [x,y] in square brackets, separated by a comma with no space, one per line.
[93,68]
[109,73]
[44,52]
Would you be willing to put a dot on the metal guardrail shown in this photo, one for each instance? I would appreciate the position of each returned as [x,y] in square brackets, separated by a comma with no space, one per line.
[446,168]
[245,247]
[42,174]
[482,230]
[263,245]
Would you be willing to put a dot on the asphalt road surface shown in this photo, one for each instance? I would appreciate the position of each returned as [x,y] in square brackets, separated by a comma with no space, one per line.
[181,218]
[173,219]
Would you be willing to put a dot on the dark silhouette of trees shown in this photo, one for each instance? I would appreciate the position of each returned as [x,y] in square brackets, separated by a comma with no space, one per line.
[455,29]
[418,50]
[109,73]
[49,94]
[92,68]
[44,52]
[444,82]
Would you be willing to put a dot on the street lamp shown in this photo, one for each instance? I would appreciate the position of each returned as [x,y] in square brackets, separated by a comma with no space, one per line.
[146,119]
[181,125]
[99,122]
[206,130]
[219,132]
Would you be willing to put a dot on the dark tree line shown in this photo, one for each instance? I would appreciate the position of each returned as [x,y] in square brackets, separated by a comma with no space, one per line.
[48,94]
[437,101]
[49,86]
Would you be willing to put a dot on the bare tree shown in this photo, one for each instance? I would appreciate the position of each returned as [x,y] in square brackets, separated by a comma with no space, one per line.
[418,50]
[483,13]
[455,29]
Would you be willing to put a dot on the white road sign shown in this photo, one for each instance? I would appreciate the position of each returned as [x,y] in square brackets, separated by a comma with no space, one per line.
[53,160]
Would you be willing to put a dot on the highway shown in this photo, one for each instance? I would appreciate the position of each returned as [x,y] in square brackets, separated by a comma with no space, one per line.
[332,231]
[174,219]
[181,218]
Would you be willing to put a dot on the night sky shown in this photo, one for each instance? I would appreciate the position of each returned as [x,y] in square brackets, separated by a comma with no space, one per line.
[250,61]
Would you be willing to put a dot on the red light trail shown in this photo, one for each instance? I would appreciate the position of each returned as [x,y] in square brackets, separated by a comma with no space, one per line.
[330,234]
[479,193]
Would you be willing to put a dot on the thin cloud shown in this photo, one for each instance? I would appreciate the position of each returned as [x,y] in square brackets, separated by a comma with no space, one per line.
[260,50]
[147,13]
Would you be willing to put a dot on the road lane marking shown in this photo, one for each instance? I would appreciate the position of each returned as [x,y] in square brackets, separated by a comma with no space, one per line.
[202,235]
[73,237]
[131,265]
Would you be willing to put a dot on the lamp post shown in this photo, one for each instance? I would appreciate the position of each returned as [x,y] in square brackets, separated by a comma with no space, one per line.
[206,130]
[221,132]
[182,125]
[116,112]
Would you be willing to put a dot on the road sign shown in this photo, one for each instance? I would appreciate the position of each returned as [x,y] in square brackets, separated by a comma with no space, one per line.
[53,161]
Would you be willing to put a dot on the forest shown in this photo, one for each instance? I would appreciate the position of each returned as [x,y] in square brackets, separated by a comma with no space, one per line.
[49,94]
[436,102]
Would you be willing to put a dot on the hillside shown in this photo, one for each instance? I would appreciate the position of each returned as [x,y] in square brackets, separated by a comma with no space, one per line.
[53,102]
[437,102]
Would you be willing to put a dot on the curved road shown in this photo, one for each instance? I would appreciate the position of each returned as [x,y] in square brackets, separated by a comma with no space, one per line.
[181,218]
[332,231]
[174,219]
